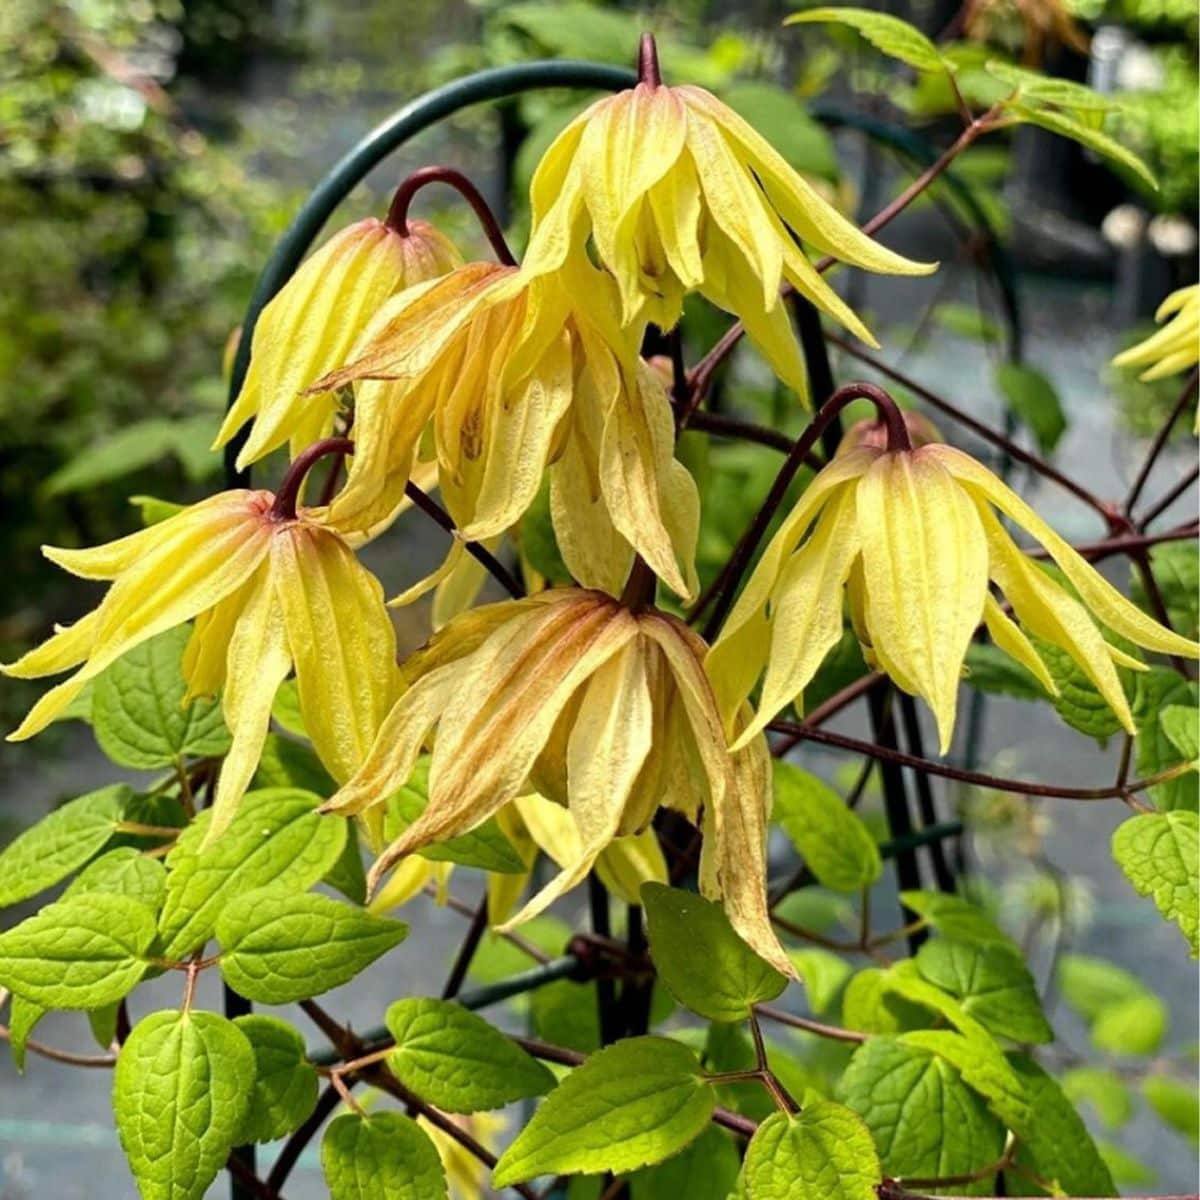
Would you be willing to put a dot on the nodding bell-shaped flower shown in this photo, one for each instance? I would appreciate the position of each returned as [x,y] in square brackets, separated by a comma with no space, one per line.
[313,323]
[679,193]
[270,590]
[600,707]
[912,538]
[509,375]
[1176,346]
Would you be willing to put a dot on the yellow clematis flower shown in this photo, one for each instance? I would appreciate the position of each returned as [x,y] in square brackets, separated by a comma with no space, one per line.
[604,709]
[912,537]
[1176,346]
[269,591]
[314,321]
[509,375]
[679,194]
[466,1175]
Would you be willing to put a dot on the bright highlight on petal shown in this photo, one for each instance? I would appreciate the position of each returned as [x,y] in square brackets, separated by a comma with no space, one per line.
[608,710]
[911,538]
[678,193]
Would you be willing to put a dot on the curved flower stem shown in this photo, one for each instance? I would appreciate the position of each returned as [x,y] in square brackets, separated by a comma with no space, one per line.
[286,498]
[977,427]
[1020,786]
[731,574]
[1160,440]
[481,554]
[397,217]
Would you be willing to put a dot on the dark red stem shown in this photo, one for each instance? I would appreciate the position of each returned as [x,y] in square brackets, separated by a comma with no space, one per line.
[397,217]
[647,62]
[284,508]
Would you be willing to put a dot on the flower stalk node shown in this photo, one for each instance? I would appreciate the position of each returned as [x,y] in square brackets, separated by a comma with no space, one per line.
[397,216]
[647,62]
[284,508]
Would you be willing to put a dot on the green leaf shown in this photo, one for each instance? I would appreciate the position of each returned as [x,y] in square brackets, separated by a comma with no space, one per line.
[1176,568]
[129,449]
[872,1004]
[1090,985]
[384,1156]
[823,974]
[276,837]
[152,510]
[992,983]
[956,918]
[138,713]
[285,709]
[830,837]
[1034,400]
[292,764]
[347,875]
[1104,1090]
[1055,1139]
[991,670]
[1158,853]
[630,1105]
[1155,691]
[1085,135]
[1078,702]
[1126,1170]
[181,1091]
[704,964]
[60,843]
[1134,1026]
[786,123]
[1176,1103]
[967,321]
[705,1170]
[278,946]
[79,953]
[457,1061]
[889,35]
[1181,724]
[823,1152]
[1050,90]
[484,847]
[23,1016]
[123,872]
[285,1082]
[925,1120]
[103,1023]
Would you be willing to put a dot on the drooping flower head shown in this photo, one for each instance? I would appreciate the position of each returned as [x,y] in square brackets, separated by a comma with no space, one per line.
[678,193]
[508,375]
[601,708]
[1174,347]
[911,539]
[314,321]
[269,592]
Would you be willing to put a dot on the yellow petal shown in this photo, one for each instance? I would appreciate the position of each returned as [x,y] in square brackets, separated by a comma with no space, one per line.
[258,662]
[461,587]
[806,617]
[65,648]
[406,881]
[204,657]
[1008,637]
[675,203]
[631,861]
[341,640]
[1094,590]
[925,565]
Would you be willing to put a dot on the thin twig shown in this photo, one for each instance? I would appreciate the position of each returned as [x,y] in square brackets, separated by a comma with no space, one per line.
[1160,441]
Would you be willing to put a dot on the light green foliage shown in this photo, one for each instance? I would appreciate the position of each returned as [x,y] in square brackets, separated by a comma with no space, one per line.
[1181,724]
[181,1091]
[457,1061]
[277,837]
[991,670]
[706,966]
[925,1120]
[60,843]
[967,321]
[1104,1090]
[823,974]
[484,846]
[889,35]
[79,953]
[383,1156]
[1156,691]
[956,918]
[1135,1026]
[278,946]
[1126,1171]
[123,872]
[785,122]
[285,1083]
[992,983]
[1033,399]
[1176,1103]
[871,1003]
[1158,853]
[630,1105]
[291,764]
[138,713]
[1056,1139]
[23,1015]
[1044,89]
[831,838]
[1125,1017]
[823,1152]
[1085,135]
[705,1170]
[1176,567]
[1078,702]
